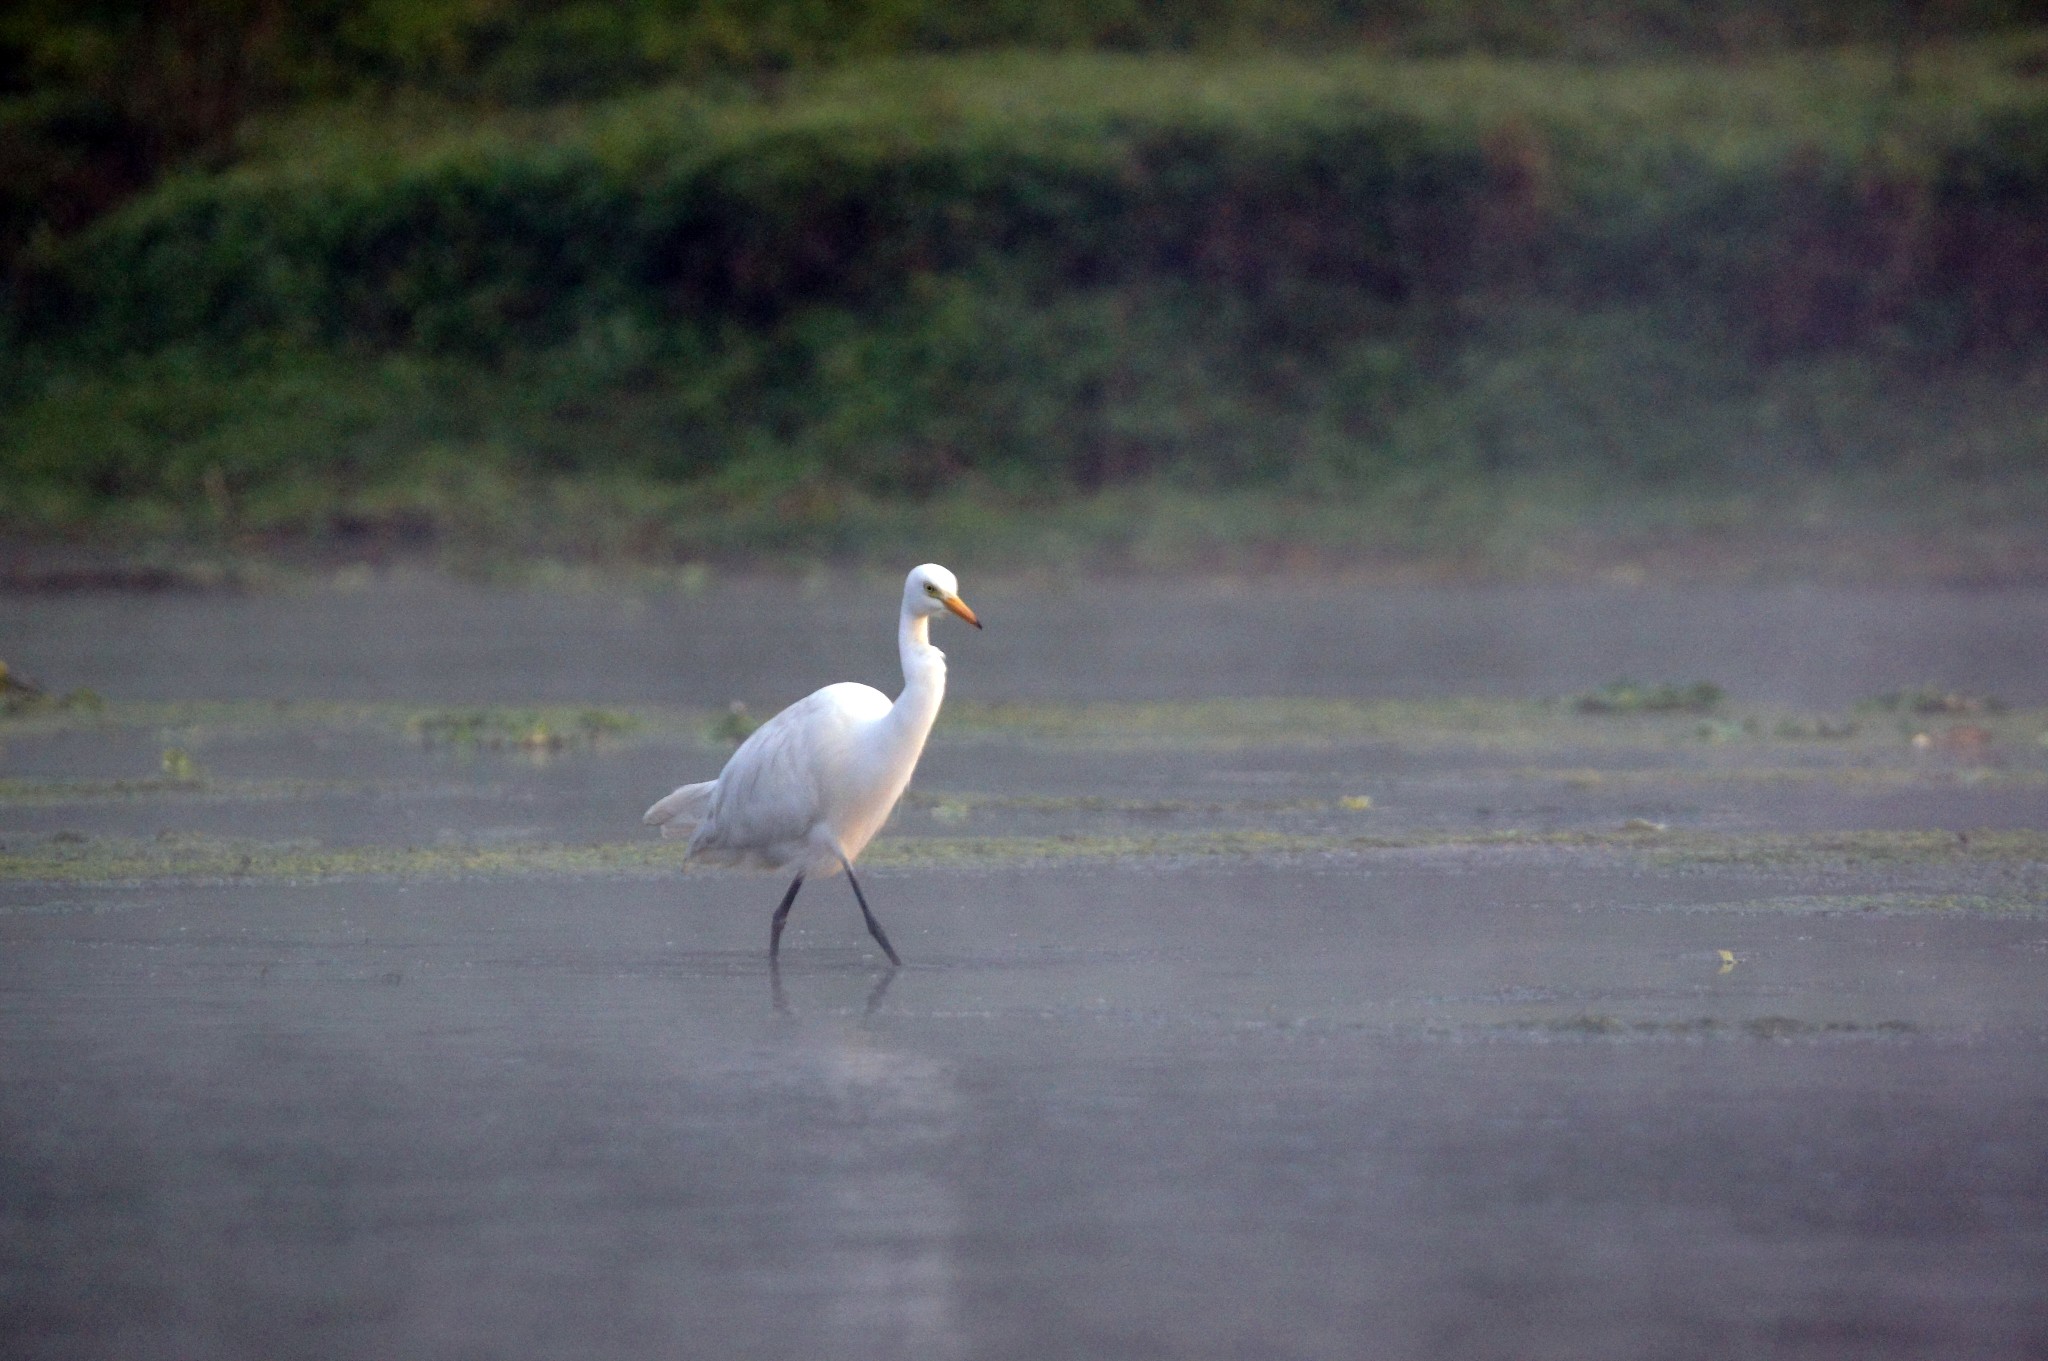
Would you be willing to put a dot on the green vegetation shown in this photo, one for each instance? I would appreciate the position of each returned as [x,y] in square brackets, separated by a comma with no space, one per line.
[70,858]
[627,280]
[181,760]
[1756,1027]
[97,100]
[1932,699]
[198,787]
[1627,697]
[2011,737]
[525,729]
[1852,850]
[180,769]
[19,695]
[1903,904]
[736,724]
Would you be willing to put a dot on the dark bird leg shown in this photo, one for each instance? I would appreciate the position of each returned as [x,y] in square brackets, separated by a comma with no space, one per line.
[781,916]
[874,927]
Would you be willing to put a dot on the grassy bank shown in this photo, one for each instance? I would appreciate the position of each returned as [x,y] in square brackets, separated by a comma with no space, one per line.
[1158,310]
[577,532]
[1565,444]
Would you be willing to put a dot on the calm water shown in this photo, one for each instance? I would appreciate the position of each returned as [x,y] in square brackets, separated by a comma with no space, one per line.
[1112,639]
[1522,1103]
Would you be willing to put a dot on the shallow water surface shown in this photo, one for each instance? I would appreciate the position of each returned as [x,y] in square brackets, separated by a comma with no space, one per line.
[768,642]
[1478,1029]
[1429,1107]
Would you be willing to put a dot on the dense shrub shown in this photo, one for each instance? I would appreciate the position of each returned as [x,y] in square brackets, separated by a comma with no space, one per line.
[98,100]
[1048,273]
[484,249]
[1406,184]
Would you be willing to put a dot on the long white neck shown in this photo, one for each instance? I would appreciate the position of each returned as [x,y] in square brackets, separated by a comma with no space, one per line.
[924,678]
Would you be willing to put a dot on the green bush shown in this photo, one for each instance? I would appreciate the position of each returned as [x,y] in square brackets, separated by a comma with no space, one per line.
[1409,183]
[483,249]
[97,101]
[1038,274]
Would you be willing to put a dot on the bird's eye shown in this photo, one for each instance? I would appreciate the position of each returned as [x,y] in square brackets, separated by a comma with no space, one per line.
[930,589]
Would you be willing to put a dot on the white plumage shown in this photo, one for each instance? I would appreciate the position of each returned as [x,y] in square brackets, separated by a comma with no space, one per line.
[811,787]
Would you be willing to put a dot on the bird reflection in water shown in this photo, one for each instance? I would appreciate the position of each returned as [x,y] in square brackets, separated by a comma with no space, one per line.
[883,1224]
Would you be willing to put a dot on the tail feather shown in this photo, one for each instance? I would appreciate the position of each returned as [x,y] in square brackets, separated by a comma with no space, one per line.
[680,812]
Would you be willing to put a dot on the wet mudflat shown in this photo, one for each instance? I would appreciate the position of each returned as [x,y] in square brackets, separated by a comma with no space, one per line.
[1394,1024]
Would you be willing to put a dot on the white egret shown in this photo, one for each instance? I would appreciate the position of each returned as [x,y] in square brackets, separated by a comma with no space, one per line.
[811,786]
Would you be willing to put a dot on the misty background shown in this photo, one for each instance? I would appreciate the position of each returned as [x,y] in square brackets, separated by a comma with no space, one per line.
[1468,286]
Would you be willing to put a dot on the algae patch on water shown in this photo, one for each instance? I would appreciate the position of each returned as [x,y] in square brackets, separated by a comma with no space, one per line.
[486,726]
[1852,849]
[1857,777]
[1630,697]
[1459,722]
[71,858]
[1903,904]
[956,806]
[524,729]
[195,787]
[74,859]
[1601,1025]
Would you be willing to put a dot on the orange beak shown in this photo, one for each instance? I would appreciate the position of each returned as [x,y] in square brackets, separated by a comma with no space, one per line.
[959,607]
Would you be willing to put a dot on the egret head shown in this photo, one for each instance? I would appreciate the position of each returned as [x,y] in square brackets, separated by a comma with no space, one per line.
[930,589]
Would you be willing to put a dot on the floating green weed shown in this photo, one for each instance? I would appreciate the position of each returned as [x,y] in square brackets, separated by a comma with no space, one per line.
[19,694]
[735,725]
[1218,724]
[1755,1027]
[1852,849]
[955,806]
[30,792]
[212,859]
[1201,723]
[1813,729]
[1628,697]
[179,767]
[527,729]
[70,858]
[1904,904]
[1849,777]
[1229,843]
[1932,699]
